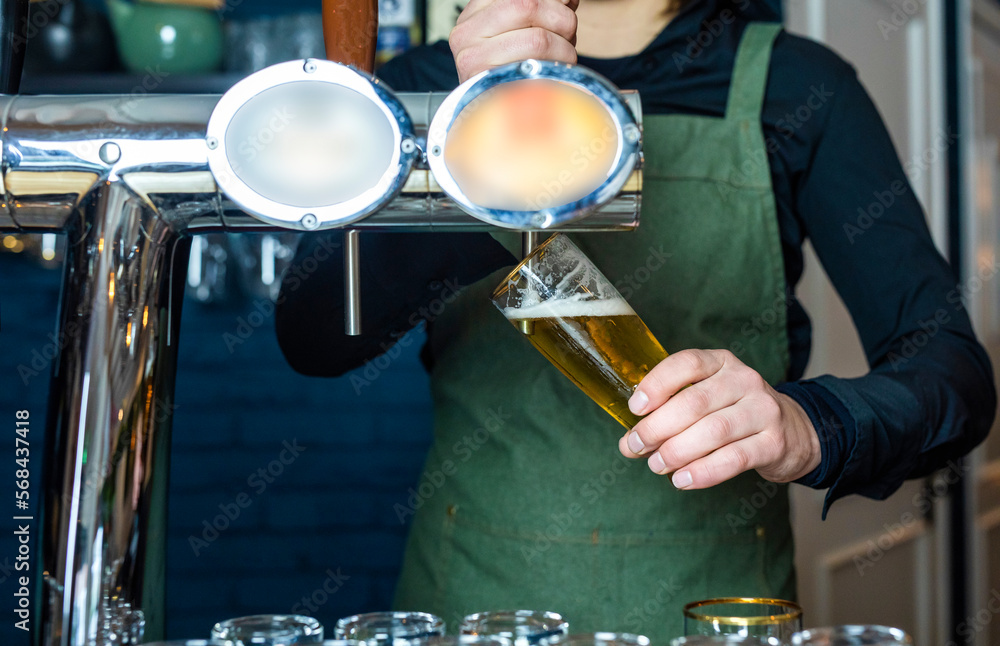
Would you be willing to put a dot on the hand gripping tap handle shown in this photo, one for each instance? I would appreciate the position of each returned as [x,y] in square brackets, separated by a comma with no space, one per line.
[350,32]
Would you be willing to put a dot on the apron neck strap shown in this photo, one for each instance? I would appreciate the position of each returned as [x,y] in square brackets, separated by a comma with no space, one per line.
[749,84]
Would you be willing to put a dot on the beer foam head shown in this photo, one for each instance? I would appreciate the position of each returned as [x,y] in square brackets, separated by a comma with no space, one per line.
[573,307]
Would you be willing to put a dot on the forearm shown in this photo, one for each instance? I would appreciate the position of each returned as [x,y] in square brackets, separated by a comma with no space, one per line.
[909,416]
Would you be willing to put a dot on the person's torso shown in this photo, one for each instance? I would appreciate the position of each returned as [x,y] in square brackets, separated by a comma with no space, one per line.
[528,499]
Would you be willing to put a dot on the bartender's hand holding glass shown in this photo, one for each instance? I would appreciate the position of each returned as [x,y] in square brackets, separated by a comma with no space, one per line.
[729,420]
[490,33]
[703,415]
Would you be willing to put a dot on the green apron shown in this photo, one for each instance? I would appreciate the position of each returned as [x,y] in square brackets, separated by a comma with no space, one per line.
[525,501]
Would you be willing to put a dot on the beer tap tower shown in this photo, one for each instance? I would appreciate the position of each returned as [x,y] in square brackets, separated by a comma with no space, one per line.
[129,179]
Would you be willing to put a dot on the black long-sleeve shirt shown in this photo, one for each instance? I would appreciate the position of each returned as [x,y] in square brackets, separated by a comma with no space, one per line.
[929,396]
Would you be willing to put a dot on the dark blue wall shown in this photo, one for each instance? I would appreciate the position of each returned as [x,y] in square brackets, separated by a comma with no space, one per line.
[327,514]
[28,296]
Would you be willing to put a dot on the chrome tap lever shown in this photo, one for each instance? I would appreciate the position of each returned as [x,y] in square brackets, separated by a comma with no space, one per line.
[529,240]
[352,282]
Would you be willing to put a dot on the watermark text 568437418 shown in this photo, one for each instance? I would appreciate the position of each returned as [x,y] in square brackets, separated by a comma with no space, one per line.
[22,518]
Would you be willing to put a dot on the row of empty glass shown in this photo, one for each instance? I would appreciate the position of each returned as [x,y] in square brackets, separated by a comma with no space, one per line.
[720,622]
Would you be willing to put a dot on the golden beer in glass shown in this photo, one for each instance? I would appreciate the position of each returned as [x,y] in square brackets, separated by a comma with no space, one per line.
[575,317]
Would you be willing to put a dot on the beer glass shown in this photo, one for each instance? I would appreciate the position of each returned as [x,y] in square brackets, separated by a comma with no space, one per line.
[743,616]
[574,316]
[385,627]
[522,627]
[269,630]
[852,636]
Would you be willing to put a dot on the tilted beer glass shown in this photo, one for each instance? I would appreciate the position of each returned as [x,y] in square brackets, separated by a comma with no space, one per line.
[575,317]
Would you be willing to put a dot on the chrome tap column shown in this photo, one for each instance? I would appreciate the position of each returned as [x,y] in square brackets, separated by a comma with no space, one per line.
[123,178]
[128,180]
[104,510]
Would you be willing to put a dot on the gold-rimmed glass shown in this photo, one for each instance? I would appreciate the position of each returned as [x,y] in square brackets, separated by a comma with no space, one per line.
[744,616]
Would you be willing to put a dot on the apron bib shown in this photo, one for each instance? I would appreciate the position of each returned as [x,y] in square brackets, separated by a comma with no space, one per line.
[525,501]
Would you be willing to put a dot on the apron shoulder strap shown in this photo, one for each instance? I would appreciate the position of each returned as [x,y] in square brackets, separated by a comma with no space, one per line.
[753,59]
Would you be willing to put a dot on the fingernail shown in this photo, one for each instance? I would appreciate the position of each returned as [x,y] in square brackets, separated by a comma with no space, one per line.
[635,443]
[657,464]
[637,402]
[682,479]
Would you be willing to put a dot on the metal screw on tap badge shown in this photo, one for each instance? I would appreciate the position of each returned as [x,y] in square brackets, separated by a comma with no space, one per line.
[110,152]
[407,146]
[631,133]
[309,221]
[529,68]
[436,150]
[310,66]
[212,143]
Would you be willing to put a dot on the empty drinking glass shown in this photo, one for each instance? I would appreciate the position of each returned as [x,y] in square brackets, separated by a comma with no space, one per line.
[385,627]
[523,627]
[744,616]
[598,639]
[269,630]
[467,640]
[726,640]
[852,636]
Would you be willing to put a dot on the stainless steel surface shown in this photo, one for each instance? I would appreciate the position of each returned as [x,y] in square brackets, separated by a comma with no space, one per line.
[52,160]
[106,465]
[127,179]
[352,283]
[52,156]
[529,240]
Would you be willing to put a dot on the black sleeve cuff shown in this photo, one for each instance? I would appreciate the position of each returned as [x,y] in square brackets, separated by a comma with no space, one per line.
[836,429]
